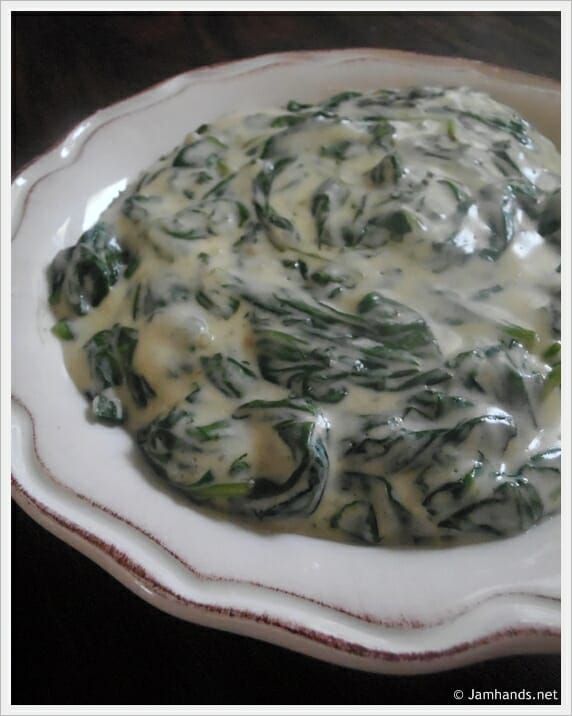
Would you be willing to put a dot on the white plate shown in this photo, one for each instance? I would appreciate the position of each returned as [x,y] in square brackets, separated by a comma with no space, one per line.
[386,610]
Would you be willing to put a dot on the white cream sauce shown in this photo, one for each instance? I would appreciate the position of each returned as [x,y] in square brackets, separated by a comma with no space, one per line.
[443,201]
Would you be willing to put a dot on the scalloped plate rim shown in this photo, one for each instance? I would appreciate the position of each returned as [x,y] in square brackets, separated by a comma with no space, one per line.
[511,640]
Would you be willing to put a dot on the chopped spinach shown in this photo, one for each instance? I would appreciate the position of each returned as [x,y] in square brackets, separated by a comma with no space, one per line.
[315,224]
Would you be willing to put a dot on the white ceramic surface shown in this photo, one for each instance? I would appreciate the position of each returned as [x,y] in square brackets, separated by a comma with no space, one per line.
[386,610]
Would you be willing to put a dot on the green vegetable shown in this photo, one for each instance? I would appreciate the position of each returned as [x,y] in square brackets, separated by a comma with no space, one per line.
[348,203]
[388,171]
[304,431]
[189,224]
[336,151]
[517,127]
[313,350]
[435,404]
[280,230]
[108,410]
[484,293]
[549,220]
[553,380]
[376,506]
[320,209]
[527,337]
[226,490]
[358,520]
[155,297]
[329,196]
[461,197]
[337,99]
[227,374]
[287,120]
[263,181]
[110,357]
[544,467]
[219,301]
[135,207]
[239,464]
[451,130]
[445,499]
[396,448]
[377,231]
[63,330]
[508,374]
[202,153]
[502,221]
[294,106]
[300,266]
[514,506]
[382,133]
[219,188]
[132,266]
[172,442]
[83,275]
[552,352]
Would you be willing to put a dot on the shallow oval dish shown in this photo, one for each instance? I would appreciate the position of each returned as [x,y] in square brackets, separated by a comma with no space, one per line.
[385,610]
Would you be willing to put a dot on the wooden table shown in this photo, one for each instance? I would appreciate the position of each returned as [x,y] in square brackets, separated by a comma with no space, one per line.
[78,636]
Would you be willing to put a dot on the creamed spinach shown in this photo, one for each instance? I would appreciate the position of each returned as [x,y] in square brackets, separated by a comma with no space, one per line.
[339,318]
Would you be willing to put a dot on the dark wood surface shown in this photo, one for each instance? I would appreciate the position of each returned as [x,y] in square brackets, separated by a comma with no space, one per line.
[78,636]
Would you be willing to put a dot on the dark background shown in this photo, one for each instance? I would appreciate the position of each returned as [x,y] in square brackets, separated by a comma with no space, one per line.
[78,636]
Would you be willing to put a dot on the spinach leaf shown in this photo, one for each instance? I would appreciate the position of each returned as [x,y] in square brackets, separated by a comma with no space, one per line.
[239,464]
[525,336]
[553,379]
[176,447]
[219,301]
[378,230]
[173,444]
[336,151]
[337,99]
[395,447]
[294,106]
[227,374]
[357,519]
[83,275]
[135,207]
[382,133]
[110,358]
[150,299]
[514,506]
[304,431]
[388,171]
[549,220]
[314,351]
[280,230]
[287,120]
[515,126]
[502,220]
[375,513]
[445,499]
[329,196]
[201,153]
[108,409]
[435,404]
[63,330]
[462,198]
[508,373]
[544,465]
